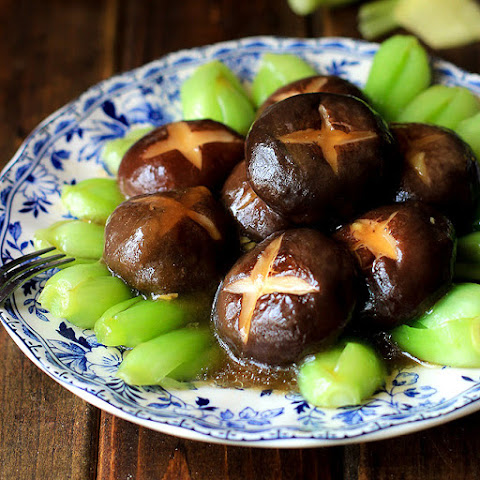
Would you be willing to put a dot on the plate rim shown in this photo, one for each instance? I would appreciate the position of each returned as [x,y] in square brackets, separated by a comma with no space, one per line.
[410,426]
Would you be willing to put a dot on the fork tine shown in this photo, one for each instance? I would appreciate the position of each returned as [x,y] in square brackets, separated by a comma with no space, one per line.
[17,261]
[29,266]
[13,283]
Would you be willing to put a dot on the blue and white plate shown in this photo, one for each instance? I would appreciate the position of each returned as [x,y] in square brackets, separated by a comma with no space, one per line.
[67,146]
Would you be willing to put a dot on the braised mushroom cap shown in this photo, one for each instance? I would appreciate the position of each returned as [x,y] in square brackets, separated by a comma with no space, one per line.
[294,291]
[319,157]
[180,155]
[166,243]
[317,83]
[405,254]
[440,169]
[254,218]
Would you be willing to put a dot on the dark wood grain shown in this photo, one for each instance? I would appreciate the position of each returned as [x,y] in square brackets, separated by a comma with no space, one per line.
[127,451]
[339,22]
[53,50]
[41,425]
[150,29]
[441,453]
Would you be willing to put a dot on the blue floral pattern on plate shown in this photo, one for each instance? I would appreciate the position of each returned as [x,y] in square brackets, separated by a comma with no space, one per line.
[67,147]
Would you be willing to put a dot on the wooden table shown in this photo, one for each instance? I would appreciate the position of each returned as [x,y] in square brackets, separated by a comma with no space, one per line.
[51,51]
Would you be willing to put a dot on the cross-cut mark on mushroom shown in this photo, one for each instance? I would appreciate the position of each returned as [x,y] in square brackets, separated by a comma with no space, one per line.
[376,237]
[175,210]
[328,138]
[189,143]
[415,155]
[263,281]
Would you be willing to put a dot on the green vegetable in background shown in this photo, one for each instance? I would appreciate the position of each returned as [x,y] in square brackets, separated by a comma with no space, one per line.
[83,293]
[341,376]
[377,18]
[441,105]
[93,199]
[439,23]
[114,150]
[138,320]
[469,130]
[449,333]
[305,7]
[275,71]
[214,92]
[399,72]
[150,362]
[75,238]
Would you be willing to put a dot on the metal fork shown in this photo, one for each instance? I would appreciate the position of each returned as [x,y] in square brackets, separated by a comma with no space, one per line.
[17,271]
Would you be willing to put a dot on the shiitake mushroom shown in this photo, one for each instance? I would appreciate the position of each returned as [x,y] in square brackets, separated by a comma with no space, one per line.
[315,84]
[254,218]
[440,169]
[405,255]
[320,158]
[180,155]
[166,243]
[315,158]
[294,291]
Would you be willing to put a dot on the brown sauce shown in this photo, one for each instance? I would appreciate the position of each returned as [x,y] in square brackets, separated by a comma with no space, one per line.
[233,373]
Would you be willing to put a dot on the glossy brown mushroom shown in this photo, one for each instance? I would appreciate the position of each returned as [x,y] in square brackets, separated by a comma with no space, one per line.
[254,218]
[405,254]
[166,243]
[294,291]
[320,157]
[315,84]
[440,169]
[180,155]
